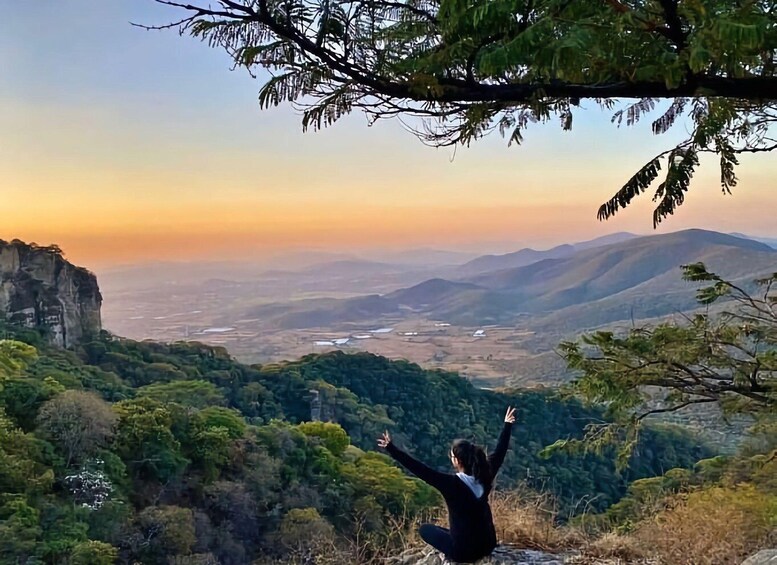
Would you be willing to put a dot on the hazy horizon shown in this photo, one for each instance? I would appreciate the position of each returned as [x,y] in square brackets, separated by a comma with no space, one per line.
[300,257]
[307,255]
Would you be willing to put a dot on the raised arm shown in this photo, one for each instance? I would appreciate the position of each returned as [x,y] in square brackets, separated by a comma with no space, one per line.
[434,478]
[496,458]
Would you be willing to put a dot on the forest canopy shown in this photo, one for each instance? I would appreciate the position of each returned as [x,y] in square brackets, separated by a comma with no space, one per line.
[162,453]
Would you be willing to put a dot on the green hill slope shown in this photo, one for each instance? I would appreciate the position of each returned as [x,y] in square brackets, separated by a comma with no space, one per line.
[199,455]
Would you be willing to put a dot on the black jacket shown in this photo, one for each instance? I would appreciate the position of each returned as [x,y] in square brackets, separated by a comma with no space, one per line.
[470,520]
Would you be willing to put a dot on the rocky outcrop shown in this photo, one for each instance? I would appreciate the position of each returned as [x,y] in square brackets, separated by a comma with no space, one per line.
[510,555]
[765,557]
[40,289]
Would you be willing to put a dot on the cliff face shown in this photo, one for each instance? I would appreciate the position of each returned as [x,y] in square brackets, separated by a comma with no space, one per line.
[40,289]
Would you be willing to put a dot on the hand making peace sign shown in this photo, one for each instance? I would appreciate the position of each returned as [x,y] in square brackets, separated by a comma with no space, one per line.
[385,440]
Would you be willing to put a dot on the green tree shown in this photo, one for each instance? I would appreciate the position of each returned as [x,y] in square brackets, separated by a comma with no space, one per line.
[217,417]
[726,357]
[23,396]
[467,67]
[19,531]
[303,529]
[373,475]
[63,530]
[168,530]
[21,455]
[14,357]
[332,436]
[256,401]
[198,394]
[211,449]
[94,553]
[77,422]
[211,436]
[144,439]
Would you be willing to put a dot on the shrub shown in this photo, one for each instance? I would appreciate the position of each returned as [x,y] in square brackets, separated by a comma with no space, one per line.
[715,526]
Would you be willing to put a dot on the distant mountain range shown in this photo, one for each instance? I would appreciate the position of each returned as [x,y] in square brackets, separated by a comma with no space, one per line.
[528,256]
[770,241]
[587,284]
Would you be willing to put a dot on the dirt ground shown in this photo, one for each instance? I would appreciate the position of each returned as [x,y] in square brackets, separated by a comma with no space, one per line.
[496,358]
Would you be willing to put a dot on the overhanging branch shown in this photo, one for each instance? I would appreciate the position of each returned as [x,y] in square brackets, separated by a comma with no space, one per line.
[447,89]
[753,89]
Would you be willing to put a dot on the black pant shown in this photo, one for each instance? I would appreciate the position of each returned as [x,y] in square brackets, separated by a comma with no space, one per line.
[439,538]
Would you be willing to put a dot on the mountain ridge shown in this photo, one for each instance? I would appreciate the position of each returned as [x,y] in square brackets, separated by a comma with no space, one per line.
[527,256]
[635,266]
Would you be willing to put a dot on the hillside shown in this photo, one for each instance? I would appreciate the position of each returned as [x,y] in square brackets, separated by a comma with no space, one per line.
[610,269]
[323,312]
[770,241]
[222,458]
[638,277]
[528,256]
[435,318]
[157,453]
[519,258]
[430,294]
[643,267]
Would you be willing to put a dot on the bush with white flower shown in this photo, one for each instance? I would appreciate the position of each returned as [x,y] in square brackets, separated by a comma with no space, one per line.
[90,486]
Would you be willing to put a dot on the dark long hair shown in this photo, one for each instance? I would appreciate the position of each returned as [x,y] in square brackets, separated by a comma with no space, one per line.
[473,459]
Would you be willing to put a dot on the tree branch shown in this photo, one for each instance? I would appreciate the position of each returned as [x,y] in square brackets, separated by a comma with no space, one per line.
[675,25]
[448,89]
[675,408]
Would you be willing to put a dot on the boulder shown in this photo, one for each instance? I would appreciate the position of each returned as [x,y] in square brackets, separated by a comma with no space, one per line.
[513,555]
[764,557]
[502,555]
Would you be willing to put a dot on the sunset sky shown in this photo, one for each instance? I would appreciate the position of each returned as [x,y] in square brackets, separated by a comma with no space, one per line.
[123,145]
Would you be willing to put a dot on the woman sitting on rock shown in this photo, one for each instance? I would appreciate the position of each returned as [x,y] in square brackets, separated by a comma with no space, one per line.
[471,535]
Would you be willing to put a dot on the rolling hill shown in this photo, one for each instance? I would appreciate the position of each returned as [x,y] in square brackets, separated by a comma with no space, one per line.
[431,294]
[527,256]
[600,272]
[635,277]
[323,312]
[642,273]
[770,241]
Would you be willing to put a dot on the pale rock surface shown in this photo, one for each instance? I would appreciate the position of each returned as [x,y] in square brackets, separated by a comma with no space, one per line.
[764,557]
[40,289]
[508,555]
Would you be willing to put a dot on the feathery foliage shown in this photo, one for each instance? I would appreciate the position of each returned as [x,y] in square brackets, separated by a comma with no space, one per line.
[728,359]
[464,68]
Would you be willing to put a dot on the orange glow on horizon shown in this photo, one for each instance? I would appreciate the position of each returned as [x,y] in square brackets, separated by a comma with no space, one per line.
[231,231]
[166,156]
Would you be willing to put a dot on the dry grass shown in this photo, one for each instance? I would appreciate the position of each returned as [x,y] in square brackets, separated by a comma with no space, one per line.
[527,519]
[615,546]
[715,526]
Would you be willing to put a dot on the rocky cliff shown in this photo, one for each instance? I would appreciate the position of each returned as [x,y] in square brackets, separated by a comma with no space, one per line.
[40,289]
